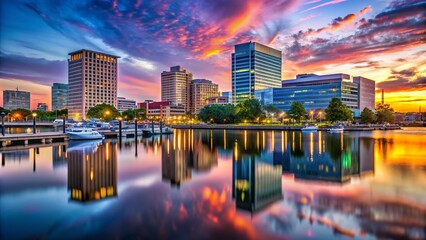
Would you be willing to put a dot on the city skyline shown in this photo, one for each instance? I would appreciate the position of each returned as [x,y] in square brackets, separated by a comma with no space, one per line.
[316,36]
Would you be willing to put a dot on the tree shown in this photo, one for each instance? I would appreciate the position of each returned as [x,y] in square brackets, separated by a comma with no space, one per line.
[219,113]
[296,111]
[367,116]
[130,114]
[384,113]
[20,113]
[337,111]
[103,111]
[250,110]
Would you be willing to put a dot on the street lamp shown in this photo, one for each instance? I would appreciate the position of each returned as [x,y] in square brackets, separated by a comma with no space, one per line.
[312,115]
[320,115]
[2,123]
[34,122]
[107,113]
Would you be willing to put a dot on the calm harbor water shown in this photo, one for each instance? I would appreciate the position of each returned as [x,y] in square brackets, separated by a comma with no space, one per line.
[203,184]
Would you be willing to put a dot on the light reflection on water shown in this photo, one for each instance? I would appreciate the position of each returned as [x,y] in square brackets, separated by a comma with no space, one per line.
[219,184]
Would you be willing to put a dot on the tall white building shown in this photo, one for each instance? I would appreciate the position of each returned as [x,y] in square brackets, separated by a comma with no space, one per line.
[175,86]
[92,80]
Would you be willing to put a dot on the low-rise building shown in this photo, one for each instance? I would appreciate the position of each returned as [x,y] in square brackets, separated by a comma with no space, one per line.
[162,109]
[124,104]
[316,91]
[42,106]
[217,100]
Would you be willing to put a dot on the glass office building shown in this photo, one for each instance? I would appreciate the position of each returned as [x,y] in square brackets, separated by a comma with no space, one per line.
[59,96]
[13,99]
[254,67]
[313,91]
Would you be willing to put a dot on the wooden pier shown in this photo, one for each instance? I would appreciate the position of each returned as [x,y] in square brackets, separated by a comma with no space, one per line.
[26,138]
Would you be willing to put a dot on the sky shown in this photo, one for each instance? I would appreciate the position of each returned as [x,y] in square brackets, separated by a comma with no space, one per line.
[384,40]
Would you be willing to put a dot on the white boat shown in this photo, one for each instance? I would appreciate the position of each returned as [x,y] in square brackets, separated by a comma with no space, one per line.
[58,122]
[337,129]
[309,128]
[148,131]
[83,134]
[88,146]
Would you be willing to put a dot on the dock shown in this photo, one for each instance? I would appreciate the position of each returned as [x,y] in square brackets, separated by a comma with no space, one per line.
[27,138]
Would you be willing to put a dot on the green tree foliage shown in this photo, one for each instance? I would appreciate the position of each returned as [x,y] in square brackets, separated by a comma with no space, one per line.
[20,114]
[103,111]
[4,110]
[296,111]
[130,114]
[337,111]
[250,110]
[384,113]
[368,116]
[272,109]
[218,113]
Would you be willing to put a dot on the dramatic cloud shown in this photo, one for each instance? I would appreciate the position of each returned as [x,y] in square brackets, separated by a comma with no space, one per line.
[399,27]
[40,70]
[404,80]
[323,4]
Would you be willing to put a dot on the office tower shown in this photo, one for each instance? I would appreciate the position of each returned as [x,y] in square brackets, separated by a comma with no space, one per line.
[175,86]
[42,106]
[59,96]
[13,99]
[92,80]
[367,93]
[124,104]
[254,67]
[201,89]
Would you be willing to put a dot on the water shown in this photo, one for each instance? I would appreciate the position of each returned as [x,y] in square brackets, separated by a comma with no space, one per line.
[219,184]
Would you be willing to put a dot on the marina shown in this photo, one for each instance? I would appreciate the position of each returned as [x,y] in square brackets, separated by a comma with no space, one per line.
[200,178]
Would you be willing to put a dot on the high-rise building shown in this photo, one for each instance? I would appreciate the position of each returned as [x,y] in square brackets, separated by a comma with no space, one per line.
[124,104]
[201,89]
[13,99]
[367,93]
[254,67]
[175,86]
[92,80]
[59,96]
[42,106]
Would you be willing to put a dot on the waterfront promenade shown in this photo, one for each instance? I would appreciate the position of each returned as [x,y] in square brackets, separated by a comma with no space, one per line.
[370,127]
[27,138]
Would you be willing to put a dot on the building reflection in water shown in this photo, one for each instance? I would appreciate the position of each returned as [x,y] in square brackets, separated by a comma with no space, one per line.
[15,156]
[183,153]
[327,157]
[92,170]
[59,156]
[256,178]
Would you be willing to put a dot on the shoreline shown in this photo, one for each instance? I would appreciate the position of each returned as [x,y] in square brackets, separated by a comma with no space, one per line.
[279,127]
